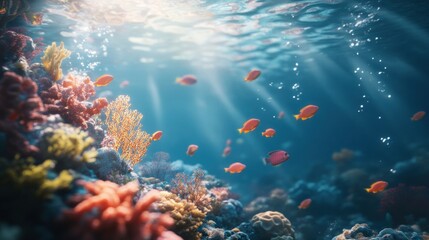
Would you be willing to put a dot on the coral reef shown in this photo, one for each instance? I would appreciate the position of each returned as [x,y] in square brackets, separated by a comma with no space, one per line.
[20,110]
[15,46]
[70,100]
[108,213]
[362,231]
[270,224]
[277,201]
[52,59]
[109,164]
[69,146]
[188,218]
[124,126]
[158,167]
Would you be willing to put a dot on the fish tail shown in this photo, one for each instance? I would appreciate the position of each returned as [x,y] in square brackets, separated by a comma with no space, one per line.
[368,189]
[226,169]
[240,130]
[296,116]
[264,161]
[177,80]
[263,134]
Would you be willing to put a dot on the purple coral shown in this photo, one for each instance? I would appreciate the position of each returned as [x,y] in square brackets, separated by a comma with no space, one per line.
[20,109]
[15,45]
[70,100]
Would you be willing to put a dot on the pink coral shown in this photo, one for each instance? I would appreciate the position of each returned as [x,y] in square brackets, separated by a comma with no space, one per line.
[108,213]
[20,109]
[70,100]
[15,45]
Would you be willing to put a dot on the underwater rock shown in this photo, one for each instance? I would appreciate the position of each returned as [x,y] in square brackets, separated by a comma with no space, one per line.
[230,213]
[232,235]
[277,201]
[272,224]
[362,231]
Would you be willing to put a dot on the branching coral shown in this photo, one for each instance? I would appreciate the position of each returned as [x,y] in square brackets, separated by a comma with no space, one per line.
[68,146]
[109,213]
[193,189]
[188,218]
[20,109]
[124,126]
[70,100]
[52,59]
[26,179]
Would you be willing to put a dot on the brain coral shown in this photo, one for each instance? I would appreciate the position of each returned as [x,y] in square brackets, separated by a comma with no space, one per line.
[272,224]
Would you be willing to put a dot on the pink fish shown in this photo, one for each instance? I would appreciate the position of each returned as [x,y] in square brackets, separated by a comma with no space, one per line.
[186,80]
[418,116]
[276,157]
[236,167]
[192,149]
[252,75]
[226,151]
[228,142]
[281,115]
[123,84]
[103,80]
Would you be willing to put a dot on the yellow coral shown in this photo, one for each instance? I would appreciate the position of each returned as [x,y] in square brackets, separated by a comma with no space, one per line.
[32,180]
[52,59]
[75,146]
[124,126]
[187,217]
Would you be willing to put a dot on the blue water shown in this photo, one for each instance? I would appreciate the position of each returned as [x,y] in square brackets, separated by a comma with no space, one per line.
[364,63]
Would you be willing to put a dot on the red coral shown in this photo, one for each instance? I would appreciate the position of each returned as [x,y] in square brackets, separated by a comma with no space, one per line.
[108,213]
[20,108]
[15,45]
[403,201]
[70,100]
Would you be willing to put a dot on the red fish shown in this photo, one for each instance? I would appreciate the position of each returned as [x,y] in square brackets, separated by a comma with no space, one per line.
[192,149]
[307,112]
[281,115]
[252,75]
[226,151]
[249,125]
[377,187]
[156,135]
[276,157]
[236,167]
[186,80]
[269,133]
[103,80]
[418,116]
[305,203]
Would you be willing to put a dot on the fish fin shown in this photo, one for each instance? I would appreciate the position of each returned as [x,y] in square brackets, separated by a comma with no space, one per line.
[296,116]
[240,130]
[273,152]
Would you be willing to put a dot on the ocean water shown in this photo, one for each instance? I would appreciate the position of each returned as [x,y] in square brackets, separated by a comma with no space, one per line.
[363,63]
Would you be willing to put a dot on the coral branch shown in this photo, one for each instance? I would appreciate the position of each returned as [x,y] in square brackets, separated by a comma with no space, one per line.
[53,58]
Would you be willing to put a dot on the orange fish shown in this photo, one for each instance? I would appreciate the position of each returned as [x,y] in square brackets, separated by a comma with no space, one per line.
[252,75]
[192,149]
[186,80]
[226,151]
[156,135]
[377,187]
[306,112]
[236,167]
[418,116]
[103,80]
[2,10]
[281,115]
[269,133]
[305,203]
[249,125]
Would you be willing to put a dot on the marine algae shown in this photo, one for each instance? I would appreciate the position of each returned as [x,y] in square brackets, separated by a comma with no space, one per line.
[52,59]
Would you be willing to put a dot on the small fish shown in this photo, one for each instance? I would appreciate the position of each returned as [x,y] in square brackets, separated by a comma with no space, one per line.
[226,151]
[307,112]
[305,203]
[236,167]
[418,116]
[377,187]
[103,80]
[34,19]
[123,84]
[228,142]
[192,149]
[3,10]
[276,157]
[269,133]
[249,125]
[186,80]
[156,136]
[281,115]
[252,75]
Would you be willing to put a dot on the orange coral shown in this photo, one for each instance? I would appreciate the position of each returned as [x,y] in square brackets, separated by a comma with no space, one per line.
[108,213]
[193,190]
[124,126]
